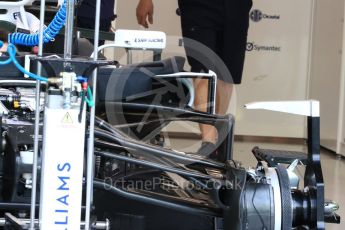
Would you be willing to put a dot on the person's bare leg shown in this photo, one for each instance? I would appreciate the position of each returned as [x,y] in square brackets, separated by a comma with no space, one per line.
[224,92]
[208,132]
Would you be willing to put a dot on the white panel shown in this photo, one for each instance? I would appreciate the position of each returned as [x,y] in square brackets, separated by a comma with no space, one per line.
[62,167]
[140,39]
[276,66]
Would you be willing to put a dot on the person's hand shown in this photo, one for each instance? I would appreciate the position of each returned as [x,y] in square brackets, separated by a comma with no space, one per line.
[34,50]
[145,13]
[3,47]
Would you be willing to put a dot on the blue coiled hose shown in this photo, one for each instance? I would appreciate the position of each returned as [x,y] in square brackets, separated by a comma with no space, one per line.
[48,34]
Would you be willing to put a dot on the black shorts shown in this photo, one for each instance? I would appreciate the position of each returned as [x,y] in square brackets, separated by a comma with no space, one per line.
[219,28]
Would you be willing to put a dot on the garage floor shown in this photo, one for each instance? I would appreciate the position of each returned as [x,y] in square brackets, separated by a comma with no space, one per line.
[333,167]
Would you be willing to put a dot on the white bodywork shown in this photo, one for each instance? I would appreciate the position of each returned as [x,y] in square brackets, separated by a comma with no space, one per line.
[305,108]
[15,12]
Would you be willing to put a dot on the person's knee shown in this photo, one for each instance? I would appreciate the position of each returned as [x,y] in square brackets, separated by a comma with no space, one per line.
[200,83]
[224,84]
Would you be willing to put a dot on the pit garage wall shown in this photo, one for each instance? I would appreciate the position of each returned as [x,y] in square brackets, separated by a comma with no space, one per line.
[277,66]
[328,72]
[278,71]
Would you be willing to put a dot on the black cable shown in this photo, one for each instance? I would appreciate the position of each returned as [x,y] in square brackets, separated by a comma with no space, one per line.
[146,148]
[197,210]
[109,145]
[137,172]
[118,147]
[198,182]
[82,106]
[104,125]
[152,165]
[256,210]
[171,154]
